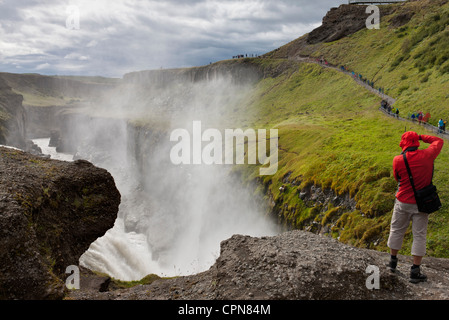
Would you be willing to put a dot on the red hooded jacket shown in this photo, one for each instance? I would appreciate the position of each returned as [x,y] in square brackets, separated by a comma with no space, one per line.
[419,161]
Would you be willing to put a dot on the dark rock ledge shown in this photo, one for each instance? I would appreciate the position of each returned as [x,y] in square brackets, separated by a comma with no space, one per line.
[50,212]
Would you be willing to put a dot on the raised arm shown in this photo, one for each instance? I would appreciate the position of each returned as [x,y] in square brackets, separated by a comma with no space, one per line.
[436,144]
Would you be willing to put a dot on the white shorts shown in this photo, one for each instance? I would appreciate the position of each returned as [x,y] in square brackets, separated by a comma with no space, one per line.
[403,213]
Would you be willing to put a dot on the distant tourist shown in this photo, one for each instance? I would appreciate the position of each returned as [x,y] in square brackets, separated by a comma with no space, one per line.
[420,117]
[440,126]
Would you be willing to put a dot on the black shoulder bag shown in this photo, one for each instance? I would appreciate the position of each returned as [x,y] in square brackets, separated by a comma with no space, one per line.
[427,198]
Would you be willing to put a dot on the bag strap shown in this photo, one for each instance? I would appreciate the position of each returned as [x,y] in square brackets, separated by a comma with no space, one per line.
[410,176]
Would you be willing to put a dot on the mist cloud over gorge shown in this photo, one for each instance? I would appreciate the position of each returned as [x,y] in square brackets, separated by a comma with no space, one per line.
[172,217]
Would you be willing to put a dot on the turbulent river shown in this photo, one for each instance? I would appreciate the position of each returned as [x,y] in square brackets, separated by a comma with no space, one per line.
[51,151]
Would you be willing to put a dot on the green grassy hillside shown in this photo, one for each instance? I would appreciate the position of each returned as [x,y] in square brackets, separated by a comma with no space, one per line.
[332,134]
[410,61]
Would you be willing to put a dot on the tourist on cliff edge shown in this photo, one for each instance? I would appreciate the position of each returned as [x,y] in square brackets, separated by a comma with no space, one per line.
[405,207]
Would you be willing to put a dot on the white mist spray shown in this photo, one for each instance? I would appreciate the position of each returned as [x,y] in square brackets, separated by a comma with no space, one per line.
[172,217]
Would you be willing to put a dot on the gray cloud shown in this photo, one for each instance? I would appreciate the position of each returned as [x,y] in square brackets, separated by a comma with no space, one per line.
[115,37]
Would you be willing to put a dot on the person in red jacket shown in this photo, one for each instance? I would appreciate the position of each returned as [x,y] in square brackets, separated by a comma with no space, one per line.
[405,207]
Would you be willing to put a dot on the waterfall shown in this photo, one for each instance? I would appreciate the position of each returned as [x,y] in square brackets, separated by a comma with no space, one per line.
[172,218]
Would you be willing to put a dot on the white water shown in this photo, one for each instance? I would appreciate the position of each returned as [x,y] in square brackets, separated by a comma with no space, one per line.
[176,234]
[51,151]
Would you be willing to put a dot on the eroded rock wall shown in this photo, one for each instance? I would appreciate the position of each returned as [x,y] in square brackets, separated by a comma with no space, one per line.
[12,117]
[50,212]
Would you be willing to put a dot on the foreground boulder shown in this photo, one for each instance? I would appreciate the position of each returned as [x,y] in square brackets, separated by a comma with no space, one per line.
[295,265]
[50,212]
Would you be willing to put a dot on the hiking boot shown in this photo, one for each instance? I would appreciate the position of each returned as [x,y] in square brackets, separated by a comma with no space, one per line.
[416,276]
[393,264]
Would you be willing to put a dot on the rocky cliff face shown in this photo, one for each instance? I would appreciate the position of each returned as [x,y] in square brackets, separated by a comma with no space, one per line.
[50,212]
[339,22]
[46,97]
[348,19]
[41,121]
[12,117]
[238,72]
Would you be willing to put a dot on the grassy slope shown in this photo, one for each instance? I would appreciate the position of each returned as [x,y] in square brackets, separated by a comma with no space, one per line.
[411,62]
[332,135]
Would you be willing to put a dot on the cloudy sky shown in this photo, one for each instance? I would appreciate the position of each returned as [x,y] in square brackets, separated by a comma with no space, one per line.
[111,38]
